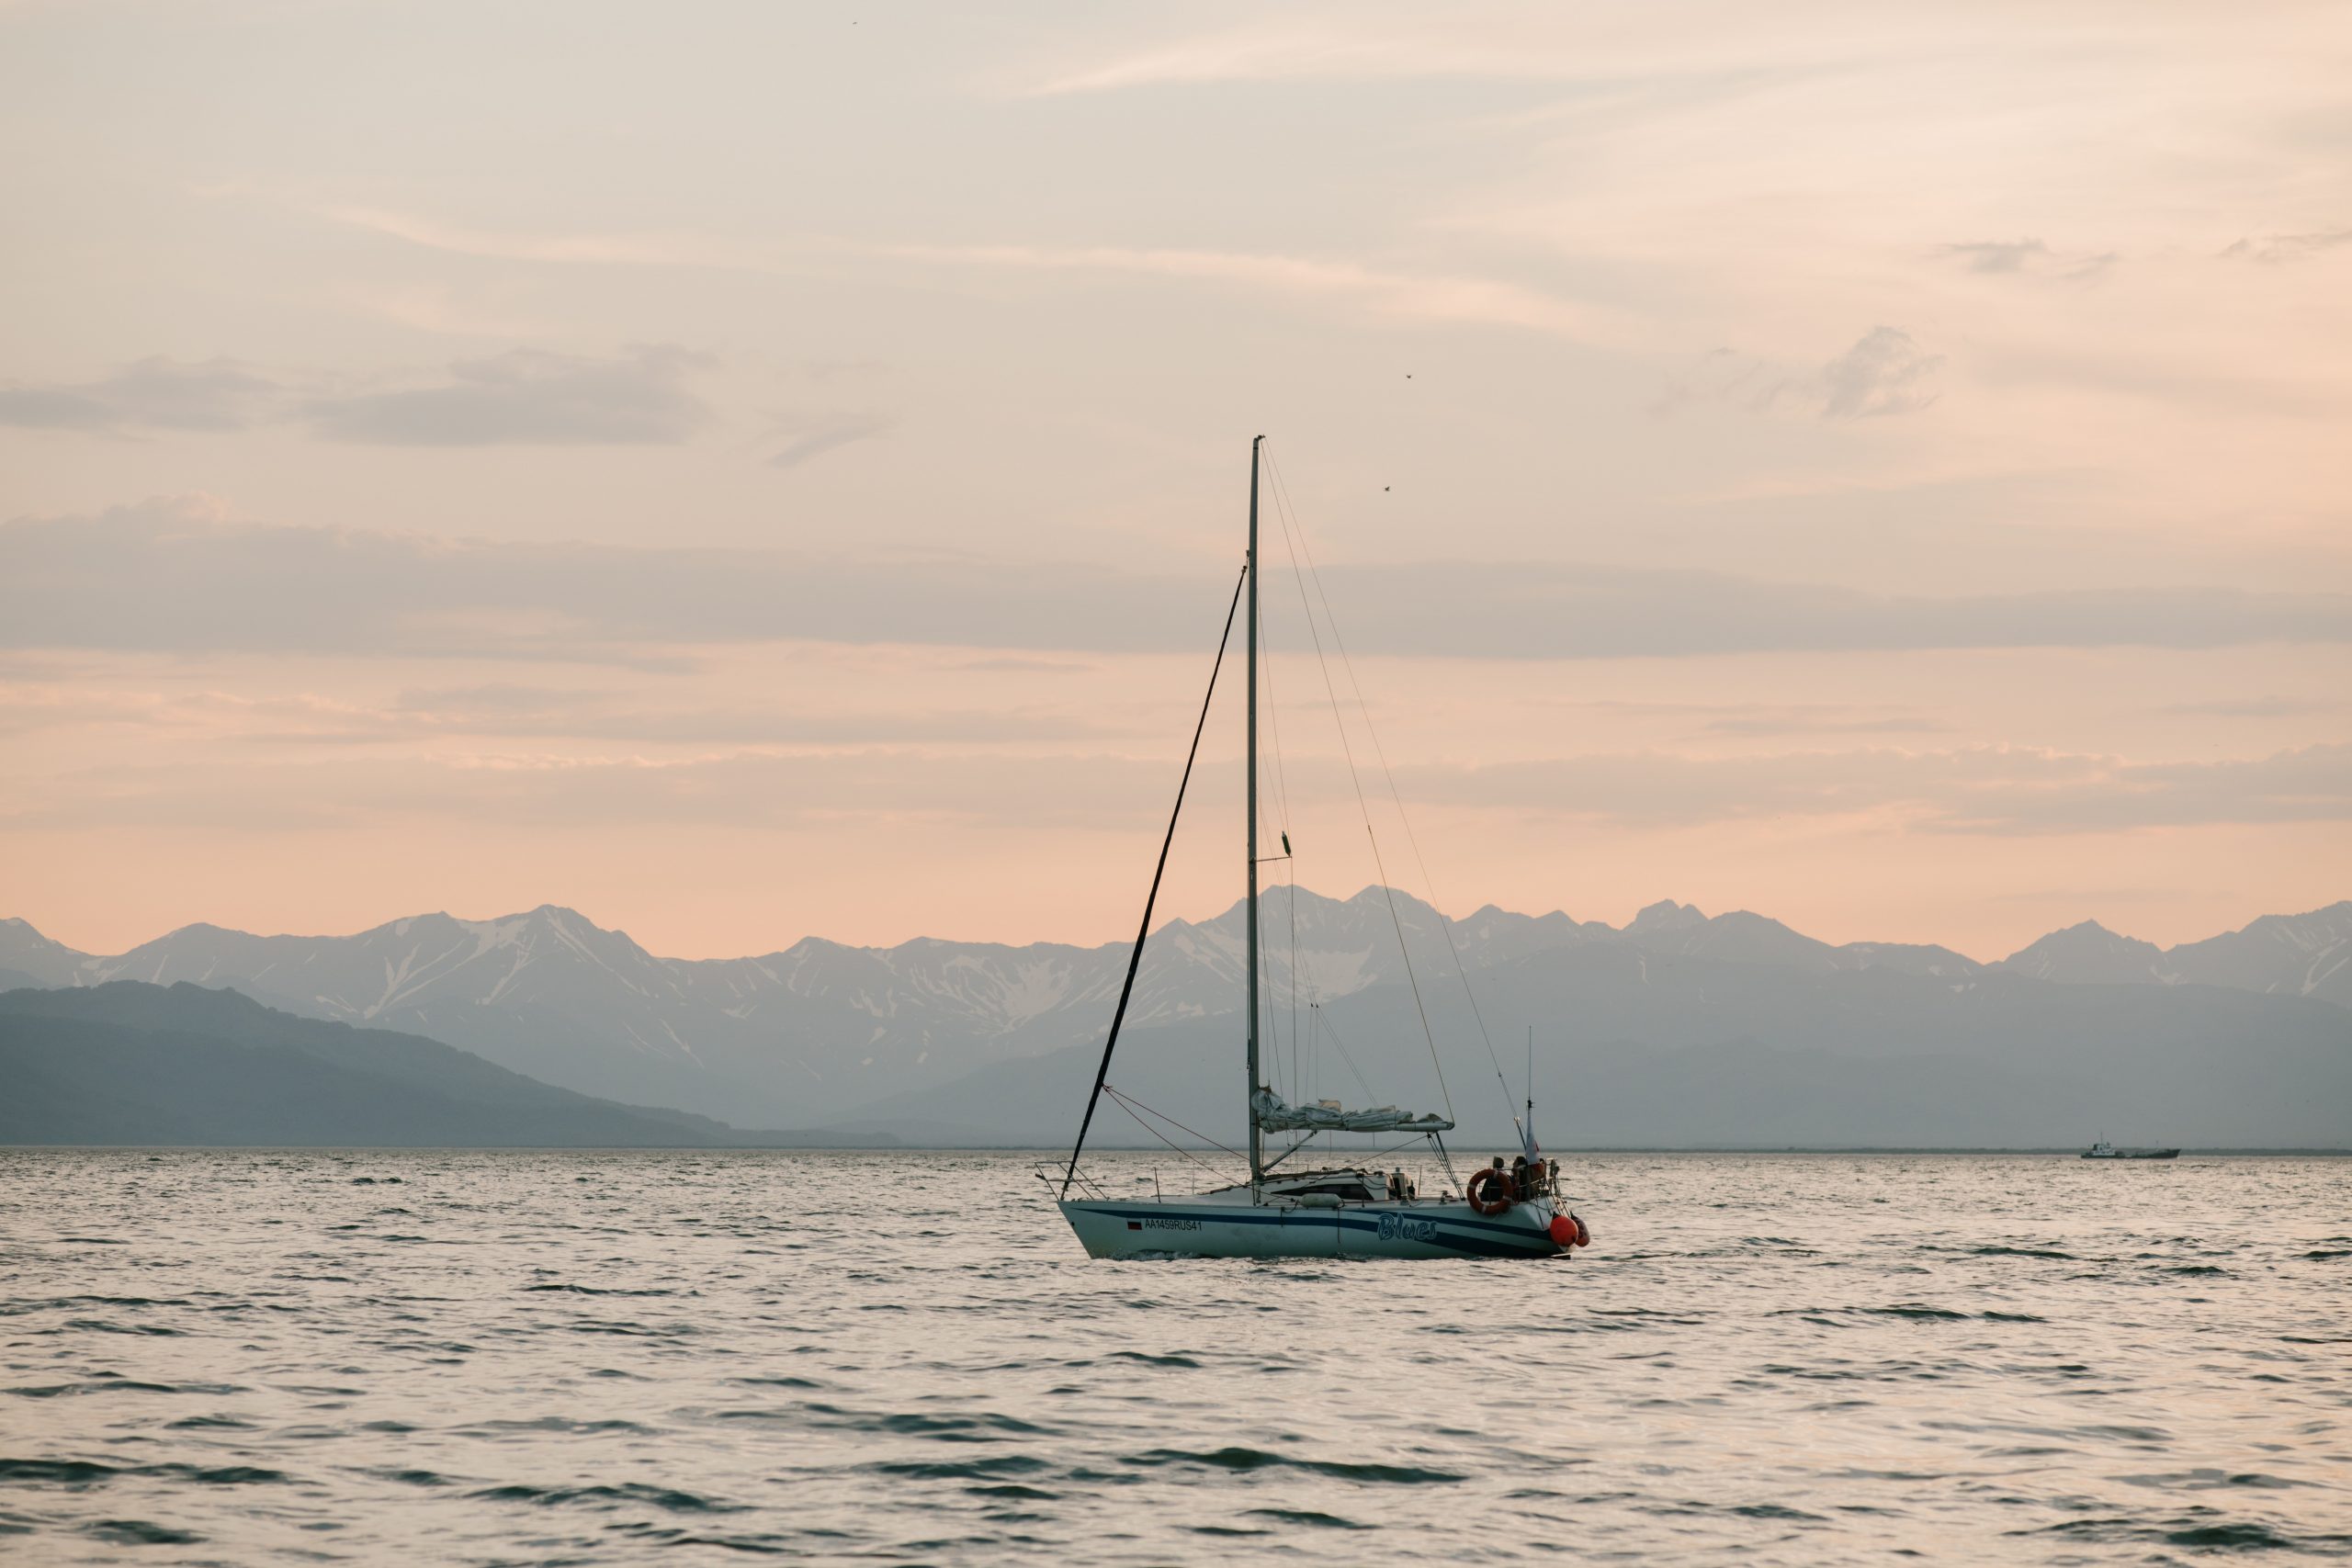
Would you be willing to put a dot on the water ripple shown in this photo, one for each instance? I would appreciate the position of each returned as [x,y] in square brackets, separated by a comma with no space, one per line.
[522,1357]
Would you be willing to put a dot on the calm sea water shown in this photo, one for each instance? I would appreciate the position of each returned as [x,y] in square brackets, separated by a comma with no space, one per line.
[508,1358]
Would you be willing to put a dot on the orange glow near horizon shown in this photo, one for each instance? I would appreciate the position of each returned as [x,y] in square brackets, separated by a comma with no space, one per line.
[1879,469]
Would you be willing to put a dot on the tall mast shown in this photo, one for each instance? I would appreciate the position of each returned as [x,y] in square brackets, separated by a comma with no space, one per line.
[1256,1139]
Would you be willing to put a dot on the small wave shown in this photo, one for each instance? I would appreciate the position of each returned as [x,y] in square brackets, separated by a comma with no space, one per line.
[411,1477]
[2214,1534]
[2130,1433]
[57,1471]
[52,1303]
[2324,1253]
[1150,1360]
[956,1428]
[667,1498]
[967,1470]
[138,1532]
[226,1476]
[1308,1516]
[1773,1511]
[2021,1252]
[1258,1459]
[596,1290]
[2235,1538]
[126,1385]
[101,1326]
[542,1424]
[88,1473]
[2209,1479]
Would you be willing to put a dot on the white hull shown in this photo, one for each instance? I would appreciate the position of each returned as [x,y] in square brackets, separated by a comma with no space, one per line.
[1208,1228]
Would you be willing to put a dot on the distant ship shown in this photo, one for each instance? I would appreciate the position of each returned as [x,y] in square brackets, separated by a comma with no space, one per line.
[2105,1150]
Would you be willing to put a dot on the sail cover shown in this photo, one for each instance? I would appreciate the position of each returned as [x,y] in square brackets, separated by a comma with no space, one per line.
[1275,1115]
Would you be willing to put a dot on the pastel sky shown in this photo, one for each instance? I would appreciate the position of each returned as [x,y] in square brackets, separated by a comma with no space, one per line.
[746,472]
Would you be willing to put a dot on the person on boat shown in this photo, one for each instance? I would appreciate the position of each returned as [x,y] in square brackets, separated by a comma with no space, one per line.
[1519,1188]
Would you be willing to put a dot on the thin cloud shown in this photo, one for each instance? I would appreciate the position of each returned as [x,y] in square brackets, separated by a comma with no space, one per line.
[806,438]
[2276,248]
[606,250]
[153,394]
[1822,724]
[1409,295]
[1884,373]
[2250,708]
[530,397]
[1430,296]
[538,791]
[1351,48]
[2027,256]
[168,577]
[522,397]
[1988,790]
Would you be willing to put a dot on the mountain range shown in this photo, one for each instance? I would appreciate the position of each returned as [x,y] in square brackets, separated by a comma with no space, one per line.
[123,1063]
[929,1035]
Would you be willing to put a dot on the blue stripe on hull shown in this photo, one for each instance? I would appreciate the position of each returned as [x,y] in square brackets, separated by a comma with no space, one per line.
[1317,1233]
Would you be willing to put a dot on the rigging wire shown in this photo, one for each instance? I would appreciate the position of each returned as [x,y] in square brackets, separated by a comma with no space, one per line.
[1428,884]
[1120,1101]
[1134,1105]
[1283,513]
[1282,819]
[1342,1046]
[1143,930]
[1290,873]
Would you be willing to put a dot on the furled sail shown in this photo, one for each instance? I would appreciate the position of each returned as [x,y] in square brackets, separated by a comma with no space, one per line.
[1275,1115]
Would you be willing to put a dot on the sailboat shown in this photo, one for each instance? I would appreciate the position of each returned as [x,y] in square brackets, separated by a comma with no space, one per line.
[1345,1210]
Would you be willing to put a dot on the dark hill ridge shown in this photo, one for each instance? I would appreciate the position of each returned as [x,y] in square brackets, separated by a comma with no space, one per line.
[808,1034]
[129,1063]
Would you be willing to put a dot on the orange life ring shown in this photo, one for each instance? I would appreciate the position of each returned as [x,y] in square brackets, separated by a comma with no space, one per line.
[1488,1177]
